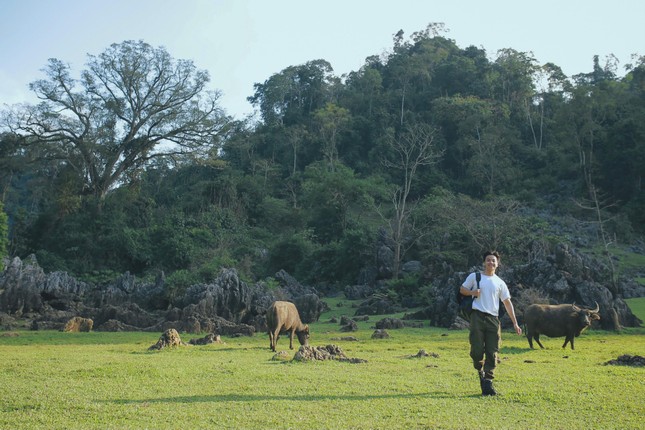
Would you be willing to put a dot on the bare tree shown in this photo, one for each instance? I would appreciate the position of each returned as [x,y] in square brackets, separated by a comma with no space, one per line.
[295,137]
[598,204]
[135,103]
[413,149]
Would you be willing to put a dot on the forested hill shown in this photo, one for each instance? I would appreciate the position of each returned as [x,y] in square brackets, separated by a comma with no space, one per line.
[434,151]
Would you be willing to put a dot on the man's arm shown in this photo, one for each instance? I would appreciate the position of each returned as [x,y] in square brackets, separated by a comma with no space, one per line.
[511,313]
[466,292]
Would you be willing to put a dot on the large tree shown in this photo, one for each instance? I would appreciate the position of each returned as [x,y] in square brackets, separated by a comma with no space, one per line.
[133,103]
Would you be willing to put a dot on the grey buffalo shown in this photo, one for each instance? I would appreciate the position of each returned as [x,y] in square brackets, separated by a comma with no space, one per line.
[557,321]
[284,317]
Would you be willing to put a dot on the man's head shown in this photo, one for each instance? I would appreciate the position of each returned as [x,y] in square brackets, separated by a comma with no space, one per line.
[493,253]
[491,261]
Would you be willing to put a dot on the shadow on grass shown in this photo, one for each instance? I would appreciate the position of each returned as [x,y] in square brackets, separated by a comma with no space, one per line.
[513,350]
[291,398]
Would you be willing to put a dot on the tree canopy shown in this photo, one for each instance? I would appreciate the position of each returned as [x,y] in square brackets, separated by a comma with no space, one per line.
[430,150]
[133,103]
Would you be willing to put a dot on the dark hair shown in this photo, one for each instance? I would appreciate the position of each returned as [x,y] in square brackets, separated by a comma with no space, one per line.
[493,253]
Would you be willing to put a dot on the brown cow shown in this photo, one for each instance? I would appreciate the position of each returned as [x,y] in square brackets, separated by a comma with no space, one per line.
[284,317]
[557,321]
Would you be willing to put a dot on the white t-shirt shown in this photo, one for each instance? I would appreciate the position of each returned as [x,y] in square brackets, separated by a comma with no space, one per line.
[493,289]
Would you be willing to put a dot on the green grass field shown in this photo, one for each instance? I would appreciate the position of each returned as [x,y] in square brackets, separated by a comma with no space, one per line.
[54,380]
[637,306]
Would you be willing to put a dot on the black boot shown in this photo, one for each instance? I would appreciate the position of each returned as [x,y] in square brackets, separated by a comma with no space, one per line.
[487,388]
[481,379]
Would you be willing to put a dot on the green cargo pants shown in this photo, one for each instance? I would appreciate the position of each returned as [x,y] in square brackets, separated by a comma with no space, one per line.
[485,336]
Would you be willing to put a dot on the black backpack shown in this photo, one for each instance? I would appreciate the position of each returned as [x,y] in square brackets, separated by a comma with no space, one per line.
[465,303]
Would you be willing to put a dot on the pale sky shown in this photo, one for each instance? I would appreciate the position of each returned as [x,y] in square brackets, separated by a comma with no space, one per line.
[242,42]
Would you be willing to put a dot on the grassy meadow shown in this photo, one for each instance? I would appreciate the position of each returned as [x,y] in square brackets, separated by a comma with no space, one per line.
[55,380]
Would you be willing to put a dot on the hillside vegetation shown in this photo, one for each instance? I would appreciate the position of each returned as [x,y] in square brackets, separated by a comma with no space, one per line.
[433,150]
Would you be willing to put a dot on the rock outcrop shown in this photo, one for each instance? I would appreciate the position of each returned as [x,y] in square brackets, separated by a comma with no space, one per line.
[227,306]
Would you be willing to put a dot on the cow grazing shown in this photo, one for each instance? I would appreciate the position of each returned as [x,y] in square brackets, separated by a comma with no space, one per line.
[557,321]
[284,317]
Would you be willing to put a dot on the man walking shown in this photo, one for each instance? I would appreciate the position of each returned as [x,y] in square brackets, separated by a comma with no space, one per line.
[485,328]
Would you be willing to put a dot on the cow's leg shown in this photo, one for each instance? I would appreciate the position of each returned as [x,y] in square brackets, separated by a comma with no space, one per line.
[291,338]
[568,339]
[537,339]
[529,336]
[274,343]
[271,341]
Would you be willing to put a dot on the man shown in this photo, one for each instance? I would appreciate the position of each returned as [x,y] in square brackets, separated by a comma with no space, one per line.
[485,329]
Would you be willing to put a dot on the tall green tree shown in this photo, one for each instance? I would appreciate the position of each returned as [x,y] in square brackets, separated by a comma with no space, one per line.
[294,93]
[133,103]
[411,67]
[333,201]
[331,121]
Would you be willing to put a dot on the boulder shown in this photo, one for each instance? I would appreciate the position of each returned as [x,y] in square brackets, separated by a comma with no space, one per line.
[390,323]
[169,339]
[380,334]
[79,324]
[355,292]
[115,326]
[376,305]
[309,307]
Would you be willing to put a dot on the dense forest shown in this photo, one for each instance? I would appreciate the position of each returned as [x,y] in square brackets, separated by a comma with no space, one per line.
[437,151]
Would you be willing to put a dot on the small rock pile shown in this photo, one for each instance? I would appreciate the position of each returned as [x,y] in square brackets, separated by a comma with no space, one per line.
[423,353]
[329,352]
[169,338]
[628,360]
[209,338]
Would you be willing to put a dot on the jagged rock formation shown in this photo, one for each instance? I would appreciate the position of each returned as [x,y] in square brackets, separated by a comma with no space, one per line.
[227,306]
[30,298]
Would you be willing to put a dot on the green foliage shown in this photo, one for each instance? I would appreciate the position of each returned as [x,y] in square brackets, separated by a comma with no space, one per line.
[635,211]
[306,189]
[469,226]
[51,261]
[406,289]
[178,282]
[289,253]
[271,284]
[626,261]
